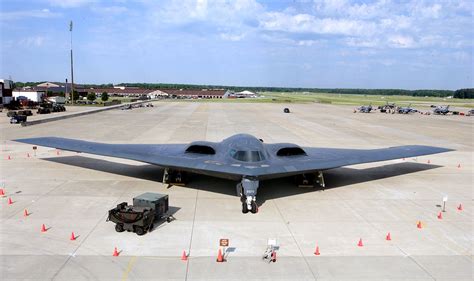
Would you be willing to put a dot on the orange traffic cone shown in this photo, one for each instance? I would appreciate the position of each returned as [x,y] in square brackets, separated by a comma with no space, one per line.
[220,258]
[73,237]
[184,257]
[460,207]
[10,201]
[116,253]
[9,157]
[388,237]
[2,192]
[440,215]
[419,225]
[360,244]
[316,253]
[25,213]
[43,228]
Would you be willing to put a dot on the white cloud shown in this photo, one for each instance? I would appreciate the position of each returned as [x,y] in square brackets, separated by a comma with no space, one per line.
[305,23]
[281,40]
[232,37]
[363,42]
[419,9]
[378,24]
[24,15]
[32,41]
[345,8]
[222,13]
[401,41]
[109,10]
[307,43]
[70,3]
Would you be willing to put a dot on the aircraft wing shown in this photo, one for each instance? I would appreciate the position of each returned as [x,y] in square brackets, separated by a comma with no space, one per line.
[164,155]
[319,159]
[173,156]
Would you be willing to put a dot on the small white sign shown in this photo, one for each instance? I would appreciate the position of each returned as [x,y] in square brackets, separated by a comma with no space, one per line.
[445,198]
[272,242]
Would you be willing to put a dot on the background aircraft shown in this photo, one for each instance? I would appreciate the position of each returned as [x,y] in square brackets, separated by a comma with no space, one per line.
[365,108]
[406,110]
[441,109]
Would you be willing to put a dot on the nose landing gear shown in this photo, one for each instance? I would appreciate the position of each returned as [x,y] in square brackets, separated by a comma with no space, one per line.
[247,190]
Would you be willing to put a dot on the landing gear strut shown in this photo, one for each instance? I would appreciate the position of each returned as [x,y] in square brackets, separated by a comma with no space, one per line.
[174,177]
[247,190]
[310,180]
[320,179]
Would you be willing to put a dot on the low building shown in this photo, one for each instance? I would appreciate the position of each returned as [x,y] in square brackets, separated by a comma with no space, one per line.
[157,94]
[31,95]
[243,94]
[197,94]
[57,88]
[123,92]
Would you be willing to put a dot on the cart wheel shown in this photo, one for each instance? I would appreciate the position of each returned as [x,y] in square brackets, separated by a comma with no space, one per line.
[119,227]
[168,219]
[151,227]
[139,231]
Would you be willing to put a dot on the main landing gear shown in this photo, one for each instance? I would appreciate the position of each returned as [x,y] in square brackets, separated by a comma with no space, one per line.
[310,180]
[174,177]
[247,190]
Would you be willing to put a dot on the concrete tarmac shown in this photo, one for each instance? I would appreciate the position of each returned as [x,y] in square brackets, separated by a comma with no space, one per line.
[70,192]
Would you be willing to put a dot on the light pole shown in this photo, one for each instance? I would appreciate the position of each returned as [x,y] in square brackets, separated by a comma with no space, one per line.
[72,68]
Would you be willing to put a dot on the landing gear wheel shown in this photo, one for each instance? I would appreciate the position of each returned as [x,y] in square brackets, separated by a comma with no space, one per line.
[119,228]
[139,231]
[245,209]
[254,207]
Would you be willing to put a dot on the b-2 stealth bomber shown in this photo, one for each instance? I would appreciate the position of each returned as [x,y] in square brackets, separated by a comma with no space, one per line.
[241,157]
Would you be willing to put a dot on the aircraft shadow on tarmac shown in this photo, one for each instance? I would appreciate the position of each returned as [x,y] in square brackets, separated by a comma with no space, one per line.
[270,189]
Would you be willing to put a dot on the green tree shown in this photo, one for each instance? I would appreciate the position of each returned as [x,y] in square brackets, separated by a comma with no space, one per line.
[464,93]
[104,96]
[91,96]
[75,95]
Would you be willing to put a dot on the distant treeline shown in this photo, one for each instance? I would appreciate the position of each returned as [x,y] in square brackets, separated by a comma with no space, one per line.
[464,94]
[461,93]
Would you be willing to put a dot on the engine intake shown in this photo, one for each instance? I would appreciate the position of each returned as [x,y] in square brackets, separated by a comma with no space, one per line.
[291,151]
[200,149]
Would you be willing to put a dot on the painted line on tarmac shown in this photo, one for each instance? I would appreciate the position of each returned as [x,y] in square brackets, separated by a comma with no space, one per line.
[130,265]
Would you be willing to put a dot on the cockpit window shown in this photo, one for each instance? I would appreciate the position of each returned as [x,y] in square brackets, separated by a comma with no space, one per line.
[247,155]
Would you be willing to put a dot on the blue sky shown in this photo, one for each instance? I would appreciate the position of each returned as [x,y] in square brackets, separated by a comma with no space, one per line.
[321,43]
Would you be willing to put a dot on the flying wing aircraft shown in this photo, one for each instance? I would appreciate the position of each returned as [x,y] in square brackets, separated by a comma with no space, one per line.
[241,157]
